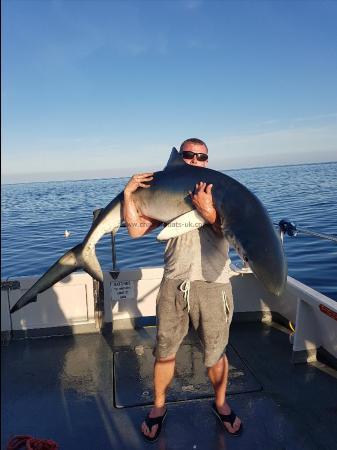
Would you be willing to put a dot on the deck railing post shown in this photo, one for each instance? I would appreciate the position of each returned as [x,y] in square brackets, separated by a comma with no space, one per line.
[113,250]
[98,289]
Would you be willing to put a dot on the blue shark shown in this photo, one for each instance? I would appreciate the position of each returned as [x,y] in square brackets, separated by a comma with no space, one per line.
[244,222]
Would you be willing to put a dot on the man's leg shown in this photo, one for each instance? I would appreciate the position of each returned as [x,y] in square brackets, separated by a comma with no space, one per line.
[218,374]
[163,375]
[172,327]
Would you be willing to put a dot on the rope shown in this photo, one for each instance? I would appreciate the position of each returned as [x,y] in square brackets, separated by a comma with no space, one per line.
[320,235]
[30,443]
[225,305]
[185,289]
[291,326]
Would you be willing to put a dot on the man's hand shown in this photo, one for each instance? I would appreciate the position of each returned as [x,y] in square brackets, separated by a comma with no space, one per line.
[137,224]
[202,199]
[137,181]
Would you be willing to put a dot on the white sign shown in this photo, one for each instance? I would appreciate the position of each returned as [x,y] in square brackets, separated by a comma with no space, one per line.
[122,290]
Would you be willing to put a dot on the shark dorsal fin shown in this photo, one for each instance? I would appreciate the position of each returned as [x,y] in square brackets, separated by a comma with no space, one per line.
[175,160]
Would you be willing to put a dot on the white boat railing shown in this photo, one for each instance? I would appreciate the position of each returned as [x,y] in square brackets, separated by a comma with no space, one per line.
[315,323]
[129,300]
[67,306]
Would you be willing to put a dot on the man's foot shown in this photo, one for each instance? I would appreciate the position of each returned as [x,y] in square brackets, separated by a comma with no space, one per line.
[151,427]
[230,421]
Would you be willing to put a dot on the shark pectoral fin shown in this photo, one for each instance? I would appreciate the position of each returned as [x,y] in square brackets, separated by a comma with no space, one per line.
[181,225]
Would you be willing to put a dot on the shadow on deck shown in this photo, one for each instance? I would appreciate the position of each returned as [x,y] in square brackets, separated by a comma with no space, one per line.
[92,392]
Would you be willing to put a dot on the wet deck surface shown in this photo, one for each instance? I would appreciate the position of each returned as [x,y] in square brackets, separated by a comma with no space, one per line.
[65,389]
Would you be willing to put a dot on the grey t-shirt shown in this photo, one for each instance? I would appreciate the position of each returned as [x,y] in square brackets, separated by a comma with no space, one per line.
[200,254]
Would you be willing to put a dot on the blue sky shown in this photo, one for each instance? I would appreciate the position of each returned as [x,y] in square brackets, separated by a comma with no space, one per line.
[96,89]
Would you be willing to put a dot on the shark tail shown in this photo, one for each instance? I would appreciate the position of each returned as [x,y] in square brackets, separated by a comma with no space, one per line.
[89,263]
[79,257]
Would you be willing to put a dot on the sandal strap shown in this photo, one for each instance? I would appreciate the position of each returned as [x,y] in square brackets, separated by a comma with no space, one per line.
[151,421]
[230,418]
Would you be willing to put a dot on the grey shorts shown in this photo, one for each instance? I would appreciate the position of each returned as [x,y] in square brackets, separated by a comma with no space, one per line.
[209,306]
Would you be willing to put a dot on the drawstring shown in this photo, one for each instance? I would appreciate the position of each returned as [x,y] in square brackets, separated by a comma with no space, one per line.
[185,288]
[225,305]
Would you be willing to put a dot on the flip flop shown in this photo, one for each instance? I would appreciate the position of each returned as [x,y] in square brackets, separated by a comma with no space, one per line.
[150,422]
[229,418]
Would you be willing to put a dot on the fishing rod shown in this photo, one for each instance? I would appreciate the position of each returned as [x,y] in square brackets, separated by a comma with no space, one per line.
[290,228]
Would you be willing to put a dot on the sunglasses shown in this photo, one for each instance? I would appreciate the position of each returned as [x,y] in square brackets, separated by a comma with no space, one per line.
[190,155]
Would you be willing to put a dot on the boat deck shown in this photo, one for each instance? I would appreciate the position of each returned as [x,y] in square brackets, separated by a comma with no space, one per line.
[92,392]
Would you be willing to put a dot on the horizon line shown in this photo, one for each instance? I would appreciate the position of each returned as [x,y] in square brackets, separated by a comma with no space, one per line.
[126,176]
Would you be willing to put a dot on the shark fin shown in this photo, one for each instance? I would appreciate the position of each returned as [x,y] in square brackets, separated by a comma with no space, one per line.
[175,160]
[181,225]
[79,257]
[19,305]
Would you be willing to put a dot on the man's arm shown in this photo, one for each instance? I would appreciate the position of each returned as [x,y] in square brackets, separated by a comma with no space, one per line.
[136,223]
[202,199]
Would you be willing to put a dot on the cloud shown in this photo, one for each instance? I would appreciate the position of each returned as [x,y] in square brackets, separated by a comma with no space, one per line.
[317,117]
[268,123]
[286,146]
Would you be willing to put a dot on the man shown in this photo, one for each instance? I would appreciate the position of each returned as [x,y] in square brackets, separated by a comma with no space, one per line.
[195,287]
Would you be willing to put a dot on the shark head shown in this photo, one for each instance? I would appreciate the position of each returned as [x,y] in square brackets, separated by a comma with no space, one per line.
[261,249]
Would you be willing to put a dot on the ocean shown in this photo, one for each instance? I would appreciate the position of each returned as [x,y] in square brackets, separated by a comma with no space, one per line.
[36,215]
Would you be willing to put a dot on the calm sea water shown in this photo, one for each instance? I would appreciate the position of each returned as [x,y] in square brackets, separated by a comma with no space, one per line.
[36,215]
